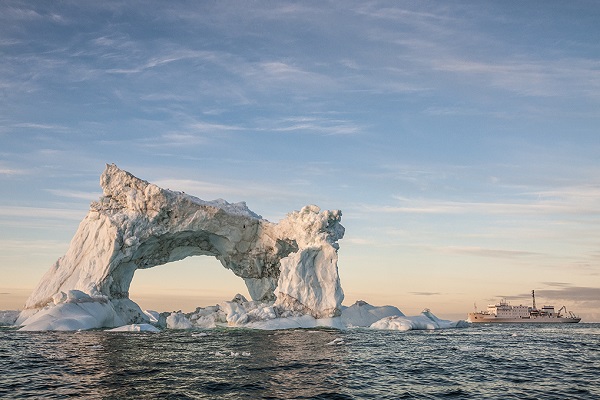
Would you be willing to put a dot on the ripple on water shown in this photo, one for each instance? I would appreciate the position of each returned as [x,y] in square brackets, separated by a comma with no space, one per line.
[495,362]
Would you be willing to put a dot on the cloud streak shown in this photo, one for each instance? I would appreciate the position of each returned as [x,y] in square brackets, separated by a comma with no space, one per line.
[580,200]
[484,252]
[584,296]
[40,212]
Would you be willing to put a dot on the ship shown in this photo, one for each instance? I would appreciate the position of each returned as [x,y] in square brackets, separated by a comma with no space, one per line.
[506,313]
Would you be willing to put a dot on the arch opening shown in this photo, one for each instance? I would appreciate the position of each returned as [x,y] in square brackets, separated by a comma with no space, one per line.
[196,281]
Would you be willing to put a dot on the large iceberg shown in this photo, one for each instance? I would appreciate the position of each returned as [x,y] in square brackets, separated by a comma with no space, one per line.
[290,268]
[136,224]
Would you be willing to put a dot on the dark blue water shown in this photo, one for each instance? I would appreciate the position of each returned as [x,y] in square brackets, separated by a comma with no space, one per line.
[492,361]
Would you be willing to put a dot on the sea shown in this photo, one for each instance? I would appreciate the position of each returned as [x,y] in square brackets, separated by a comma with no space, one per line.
[478,362]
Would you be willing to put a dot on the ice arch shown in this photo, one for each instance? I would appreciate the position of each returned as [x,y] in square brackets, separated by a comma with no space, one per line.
[136,224]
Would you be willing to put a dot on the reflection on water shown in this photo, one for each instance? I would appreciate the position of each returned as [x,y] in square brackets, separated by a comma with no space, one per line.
[482,361]
[230,364]
[224,364]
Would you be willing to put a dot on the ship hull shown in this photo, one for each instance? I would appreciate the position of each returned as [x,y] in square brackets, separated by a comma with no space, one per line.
[488,319]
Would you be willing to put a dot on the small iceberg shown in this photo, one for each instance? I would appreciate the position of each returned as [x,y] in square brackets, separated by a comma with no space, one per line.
[426,320]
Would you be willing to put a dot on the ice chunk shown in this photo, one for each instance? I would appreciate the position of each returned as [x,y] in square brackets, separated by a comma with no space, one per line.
[72,316]
[362,314]
[8,317]
[236,314]
[153,316]
[178,321]
[135,328]
[426,320]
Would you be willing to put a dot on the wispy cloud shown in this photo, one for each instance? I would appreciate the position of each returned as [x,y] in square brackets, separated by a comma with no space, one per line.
[531,77]
[403,15]
[170,56]
[12,171]
[359,241]
[31,245]
[579,200]
[39,212]
[31,125]
[427,43]
[320,125]
[426,293]
[484,252]
[20,13]
[177,139]
[586,296]
[73,194]
[214,127]
[277,72]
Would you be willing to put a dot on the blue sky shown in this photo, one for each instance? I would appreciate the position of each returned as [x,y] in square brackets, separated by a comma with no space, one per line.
[459,139]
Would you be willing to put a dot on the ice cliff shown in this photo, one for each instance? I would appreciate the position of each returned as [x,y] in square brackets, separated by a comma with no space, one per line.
[291,265]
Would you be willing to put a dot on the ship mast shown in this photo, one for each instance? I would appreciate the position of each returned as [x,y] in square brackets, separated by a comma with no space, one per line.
[533,295]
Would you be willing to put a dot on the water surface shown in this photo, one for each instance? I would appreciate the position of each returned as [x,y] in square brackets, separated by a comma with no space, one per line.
[483,361]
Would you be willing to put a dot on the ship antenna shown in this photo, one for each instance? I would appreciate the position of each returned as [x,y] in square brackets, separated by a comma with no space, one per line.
[533,295]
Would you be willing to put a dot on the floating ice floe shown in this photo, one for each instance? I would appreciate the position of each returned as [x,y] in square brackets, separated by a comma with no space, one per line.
[135,328]
[71,311]
[78,311]
[424,321]
[256,315]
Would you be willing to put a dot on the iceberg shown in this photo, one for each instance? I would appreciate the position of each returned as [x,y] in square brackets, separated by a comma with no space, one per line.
[362,314]
[290,268]
[136,225]
[425,321]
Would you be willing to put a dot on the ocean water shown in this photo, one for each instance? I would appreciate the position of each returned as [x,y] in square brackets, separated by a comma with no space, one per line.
[482,361]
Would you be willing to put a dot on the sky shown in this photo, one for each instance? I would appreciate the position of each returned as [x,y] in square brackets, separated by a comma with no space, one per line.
[460,139]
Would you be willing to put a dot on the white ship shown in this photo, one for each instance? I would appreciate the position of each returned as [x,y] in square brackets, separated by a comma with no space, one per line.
[505,313]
